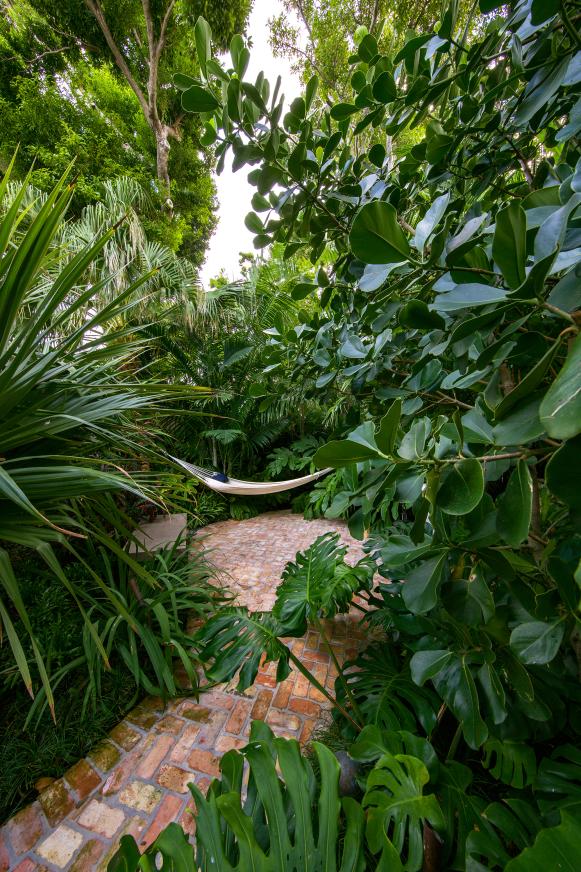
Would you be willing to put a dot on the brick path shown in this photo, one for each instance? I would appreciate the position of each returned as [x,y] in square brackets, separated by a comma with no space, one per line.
[136,780]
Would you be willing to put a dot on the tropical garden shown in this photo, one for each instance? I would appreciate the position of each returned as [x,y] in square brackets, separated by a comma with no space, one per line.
[409,318]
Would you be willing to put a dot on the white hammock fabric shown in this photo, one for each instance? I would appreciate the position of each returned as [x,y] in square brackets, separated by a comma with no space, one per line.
[247,488]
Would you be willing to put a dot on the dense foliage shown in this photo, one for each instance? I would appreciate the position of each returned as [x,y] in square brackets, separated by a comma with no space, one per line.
[88,81]
[450,318]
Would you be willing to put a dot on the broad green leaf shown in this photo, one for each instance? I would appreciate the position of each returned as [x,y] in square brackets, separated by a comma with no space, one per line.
[413,443]
[456,685]
[203,38]
[396,805]
[554,845]
[420,590]
[430,221]
[386,695]
[386,436]
[515,506]
[513,763]
[416,314]
[384,89]
[461,487]
[318,583]
[467,296]
[376,236]
[560,410]
[342,111]
[536,642]
[551,234]
[343,452]
[198,99]
[509,244]
[424,665]
[563,473]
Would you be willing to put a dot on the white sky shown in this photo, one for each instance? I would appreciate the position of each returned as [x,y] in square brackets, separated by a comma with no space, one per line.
[234,193]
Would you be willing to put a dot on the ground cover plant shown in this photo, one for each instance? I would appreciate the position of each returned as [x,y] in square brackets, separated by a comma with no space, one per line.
[449,316]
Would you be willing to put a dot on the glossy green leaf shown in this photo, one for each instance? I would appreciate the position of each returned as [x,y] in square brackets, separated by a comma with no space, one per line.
[461,487]
[420,591]
[509,244]
[203,38]
[386,435]
[560,410]
[376,236]
[536,642]
[430,221]
[416,315]
[515,506]
[560,842]
[563,473]
[396,804]
[198,99]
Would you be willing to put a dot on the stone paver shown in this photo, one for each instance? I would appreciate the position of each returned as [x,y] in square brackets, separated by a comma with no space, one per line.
[136,780]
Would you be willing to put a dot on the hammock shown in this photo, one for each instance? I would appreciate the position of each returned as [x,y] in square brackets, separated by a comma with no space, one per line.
[247,488]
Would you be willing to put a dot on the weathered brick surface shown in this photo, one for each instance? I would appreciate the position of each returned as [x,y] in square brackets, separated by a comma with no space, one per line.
[82,778]
[136,782]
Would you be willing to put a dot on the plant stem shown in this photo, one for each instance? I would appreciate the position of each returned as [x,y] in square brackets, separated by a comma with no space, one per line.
[329,648]
[309,675]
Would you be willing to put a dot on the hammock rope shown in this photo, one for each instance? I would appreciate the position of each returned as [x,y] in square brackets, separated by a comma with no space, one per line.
[246,488]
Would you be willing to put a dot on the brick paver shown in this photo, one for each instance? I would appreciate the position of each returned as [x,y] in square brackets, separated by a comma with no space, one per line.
[136,780]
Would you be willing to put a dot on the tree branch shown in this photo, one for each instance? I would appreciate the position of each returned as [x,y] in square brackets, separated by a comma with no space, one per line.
[95,9]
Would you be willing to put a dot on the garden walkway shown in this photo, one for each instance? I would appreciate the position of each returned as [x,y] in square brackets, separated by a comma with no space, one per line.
[136,780]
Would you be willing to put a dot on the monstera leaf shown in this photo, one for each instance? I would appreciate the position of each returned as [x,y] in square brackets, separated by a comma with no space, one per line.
[234,640]
[505,827]
[558,782]
[398,808]
[554,845]
[319,583]
[286,818]
[513,763]
[386,694]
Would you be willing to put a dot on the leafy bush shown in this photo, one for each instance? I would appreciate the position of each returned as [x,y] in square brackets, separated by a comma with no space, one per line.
[143,632]
[450,315]
[69,407]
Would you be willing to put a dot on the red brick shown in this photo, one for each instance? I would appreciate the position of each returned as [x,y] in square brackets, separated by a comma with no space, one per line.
[88,856]
[188,819]
[120,774]
[4,856]
[265,680]
[24,829]
[283,719]
[82,778]
[159,750]
[261,705]
[169,724]
[174,778]
[124,736]
[316,694]
[238,716]
[218,699]
[227,743]
[210,730]
[56,802]
[305,707]
[169,810]
[183,746]
[27,866]
[283,693]
[195,712]
[204,761]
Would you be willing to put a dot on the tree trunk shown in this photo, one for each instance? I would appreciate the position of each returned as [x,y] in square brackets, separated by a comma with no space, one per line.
[162,151]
